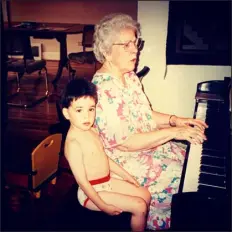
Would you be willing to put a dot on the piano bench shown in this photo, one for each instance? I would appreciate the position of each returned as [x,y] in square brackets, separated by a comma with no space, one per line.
[71,216]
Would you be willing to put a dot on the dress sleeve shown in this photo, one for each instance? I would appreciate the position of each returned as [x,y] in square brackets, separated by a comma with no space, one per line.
[112,117]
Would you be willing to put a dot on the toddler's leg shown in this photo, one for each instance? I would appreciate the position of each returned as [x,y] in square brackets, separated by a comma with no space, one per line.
[135,205]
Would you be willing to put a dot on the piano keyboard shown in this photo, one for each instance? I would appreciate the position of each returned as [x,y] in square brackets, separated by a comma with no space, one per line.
[205,168]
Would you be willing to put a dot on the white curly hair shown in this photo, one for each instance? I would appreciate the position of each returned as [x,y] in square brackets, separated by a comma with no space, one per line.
[107,32]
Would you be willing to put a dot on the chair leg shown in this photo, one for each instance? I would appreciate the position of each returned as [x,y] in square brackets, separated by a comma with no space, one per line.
[18,82]
[38,100]
[71,71]
[73,74]
[37,195]
[46,81]
[18,77]
[45,73]
[69,75]
[53,181]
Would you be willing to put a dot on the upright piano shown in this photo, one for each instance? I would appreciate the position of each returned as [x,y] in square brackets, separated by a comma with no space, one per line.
[204,198]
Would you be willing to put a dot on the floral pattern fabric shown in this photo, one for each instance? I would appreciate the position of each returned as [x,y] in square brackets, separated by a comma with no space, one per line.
[122,111]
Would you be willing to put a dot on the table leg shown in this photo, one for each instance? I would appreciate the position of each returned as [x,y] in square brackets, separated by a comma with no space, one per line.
[62,39]
[27,47]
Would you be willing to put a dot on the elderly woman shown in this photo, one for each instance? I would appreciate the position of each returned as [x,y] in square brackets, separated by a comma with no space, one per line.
[133,135]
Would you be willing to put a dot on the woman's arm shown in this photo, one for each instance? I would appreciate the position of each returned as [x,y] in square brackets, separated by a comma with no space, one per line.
[114,126]
[74,156]
[148,140]
[167,120]
[163,120]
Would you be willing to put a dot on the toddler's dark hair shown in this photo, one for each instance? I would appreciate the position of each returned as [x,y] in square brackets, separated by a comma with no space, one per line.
[78,88]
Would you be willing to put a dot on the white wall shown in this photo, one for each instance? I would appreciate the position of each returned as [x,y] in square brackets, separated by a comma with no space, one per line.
[176,93]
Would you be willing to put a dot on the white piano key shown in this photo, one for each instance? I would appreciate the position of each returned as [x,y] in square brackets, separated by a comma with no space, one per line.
[215,186]
[193,168]
[194,158]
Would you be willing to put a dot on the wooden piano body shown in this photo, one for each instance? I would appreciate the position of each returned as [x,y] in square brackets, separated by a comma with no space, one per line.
[203,202]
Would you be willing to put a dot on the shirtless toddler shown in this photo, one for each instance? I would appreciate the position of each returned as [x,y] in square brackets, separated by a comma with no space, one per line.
[91,166]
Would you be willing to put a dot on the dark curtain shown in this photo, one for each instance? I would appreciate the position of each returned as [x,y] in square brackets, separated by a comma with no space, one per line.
[3,73]
[4,117]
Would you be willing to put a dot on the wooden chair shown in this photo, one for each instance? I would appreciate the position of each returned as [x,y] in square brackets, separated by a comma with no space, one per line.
[84,56]
[18,45]
[43,167]
[143,72]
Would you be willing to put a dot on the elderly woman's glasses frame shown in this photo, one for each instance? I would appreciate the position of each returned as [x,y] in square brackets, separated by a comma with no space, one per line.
[138,43]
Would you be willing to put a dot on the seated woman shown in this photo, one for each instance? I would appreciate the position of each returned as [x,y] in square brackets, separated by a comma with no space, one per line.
[134,135]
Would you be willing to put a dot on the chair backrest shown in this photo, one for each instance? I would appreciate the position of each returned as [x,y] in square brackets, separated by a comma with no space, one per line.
[16,44]
[13,46]
[87,38]
[45,159]
[145,70]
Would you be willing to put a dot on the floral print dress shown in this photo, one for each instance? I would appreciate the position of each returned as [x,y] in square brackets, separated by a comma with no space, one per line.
[122,111]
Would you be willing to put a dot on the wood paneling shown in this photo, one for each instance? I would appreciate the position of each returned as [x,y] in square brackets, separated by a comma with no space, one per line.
[68,11]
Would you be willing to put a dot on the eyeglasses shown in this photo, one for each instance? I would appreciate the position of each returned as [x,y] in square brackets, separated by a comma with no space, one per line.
[135,44]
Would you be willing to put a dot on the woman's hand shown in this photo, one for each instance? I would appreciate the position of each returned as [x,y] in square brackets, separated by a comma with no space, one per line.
[191,134]
[132,180]
[178,121]
[112,210]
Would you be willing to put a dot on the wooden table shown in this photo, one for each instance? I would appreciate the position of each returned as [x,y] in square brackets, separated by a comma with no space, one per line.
[59,31]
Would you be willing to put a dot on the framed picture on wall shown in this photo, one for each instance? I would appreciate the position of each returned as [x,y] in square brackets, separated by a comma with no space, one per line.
[199,33]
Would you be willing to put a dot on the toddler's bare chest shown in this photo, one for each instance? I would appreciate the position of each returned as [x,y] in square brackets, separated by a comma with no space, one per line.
[93,152]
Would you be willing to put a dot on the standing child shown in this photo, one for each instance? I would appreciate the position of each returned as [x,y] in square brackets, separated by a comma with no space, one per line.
[91,166]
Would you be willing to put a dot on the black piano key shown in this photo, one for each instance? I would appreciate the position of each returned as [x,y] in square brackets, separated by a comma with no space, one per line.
[214,142]
[213,180]
[213,117]
[214,122]
[213,161]
[212,145]
[213,170]
[211,191]
[220,141]
[215,129]
[211,136]
[213,153]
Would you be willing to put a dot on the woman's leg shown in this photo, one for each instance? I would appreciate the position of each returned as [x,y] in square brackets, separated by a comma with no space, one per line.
[161,175]
[127,188]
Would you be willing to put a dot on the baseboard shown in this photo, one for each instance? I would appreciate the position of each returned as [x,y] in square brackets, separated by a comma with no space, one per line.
[51,55]
[45,56]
